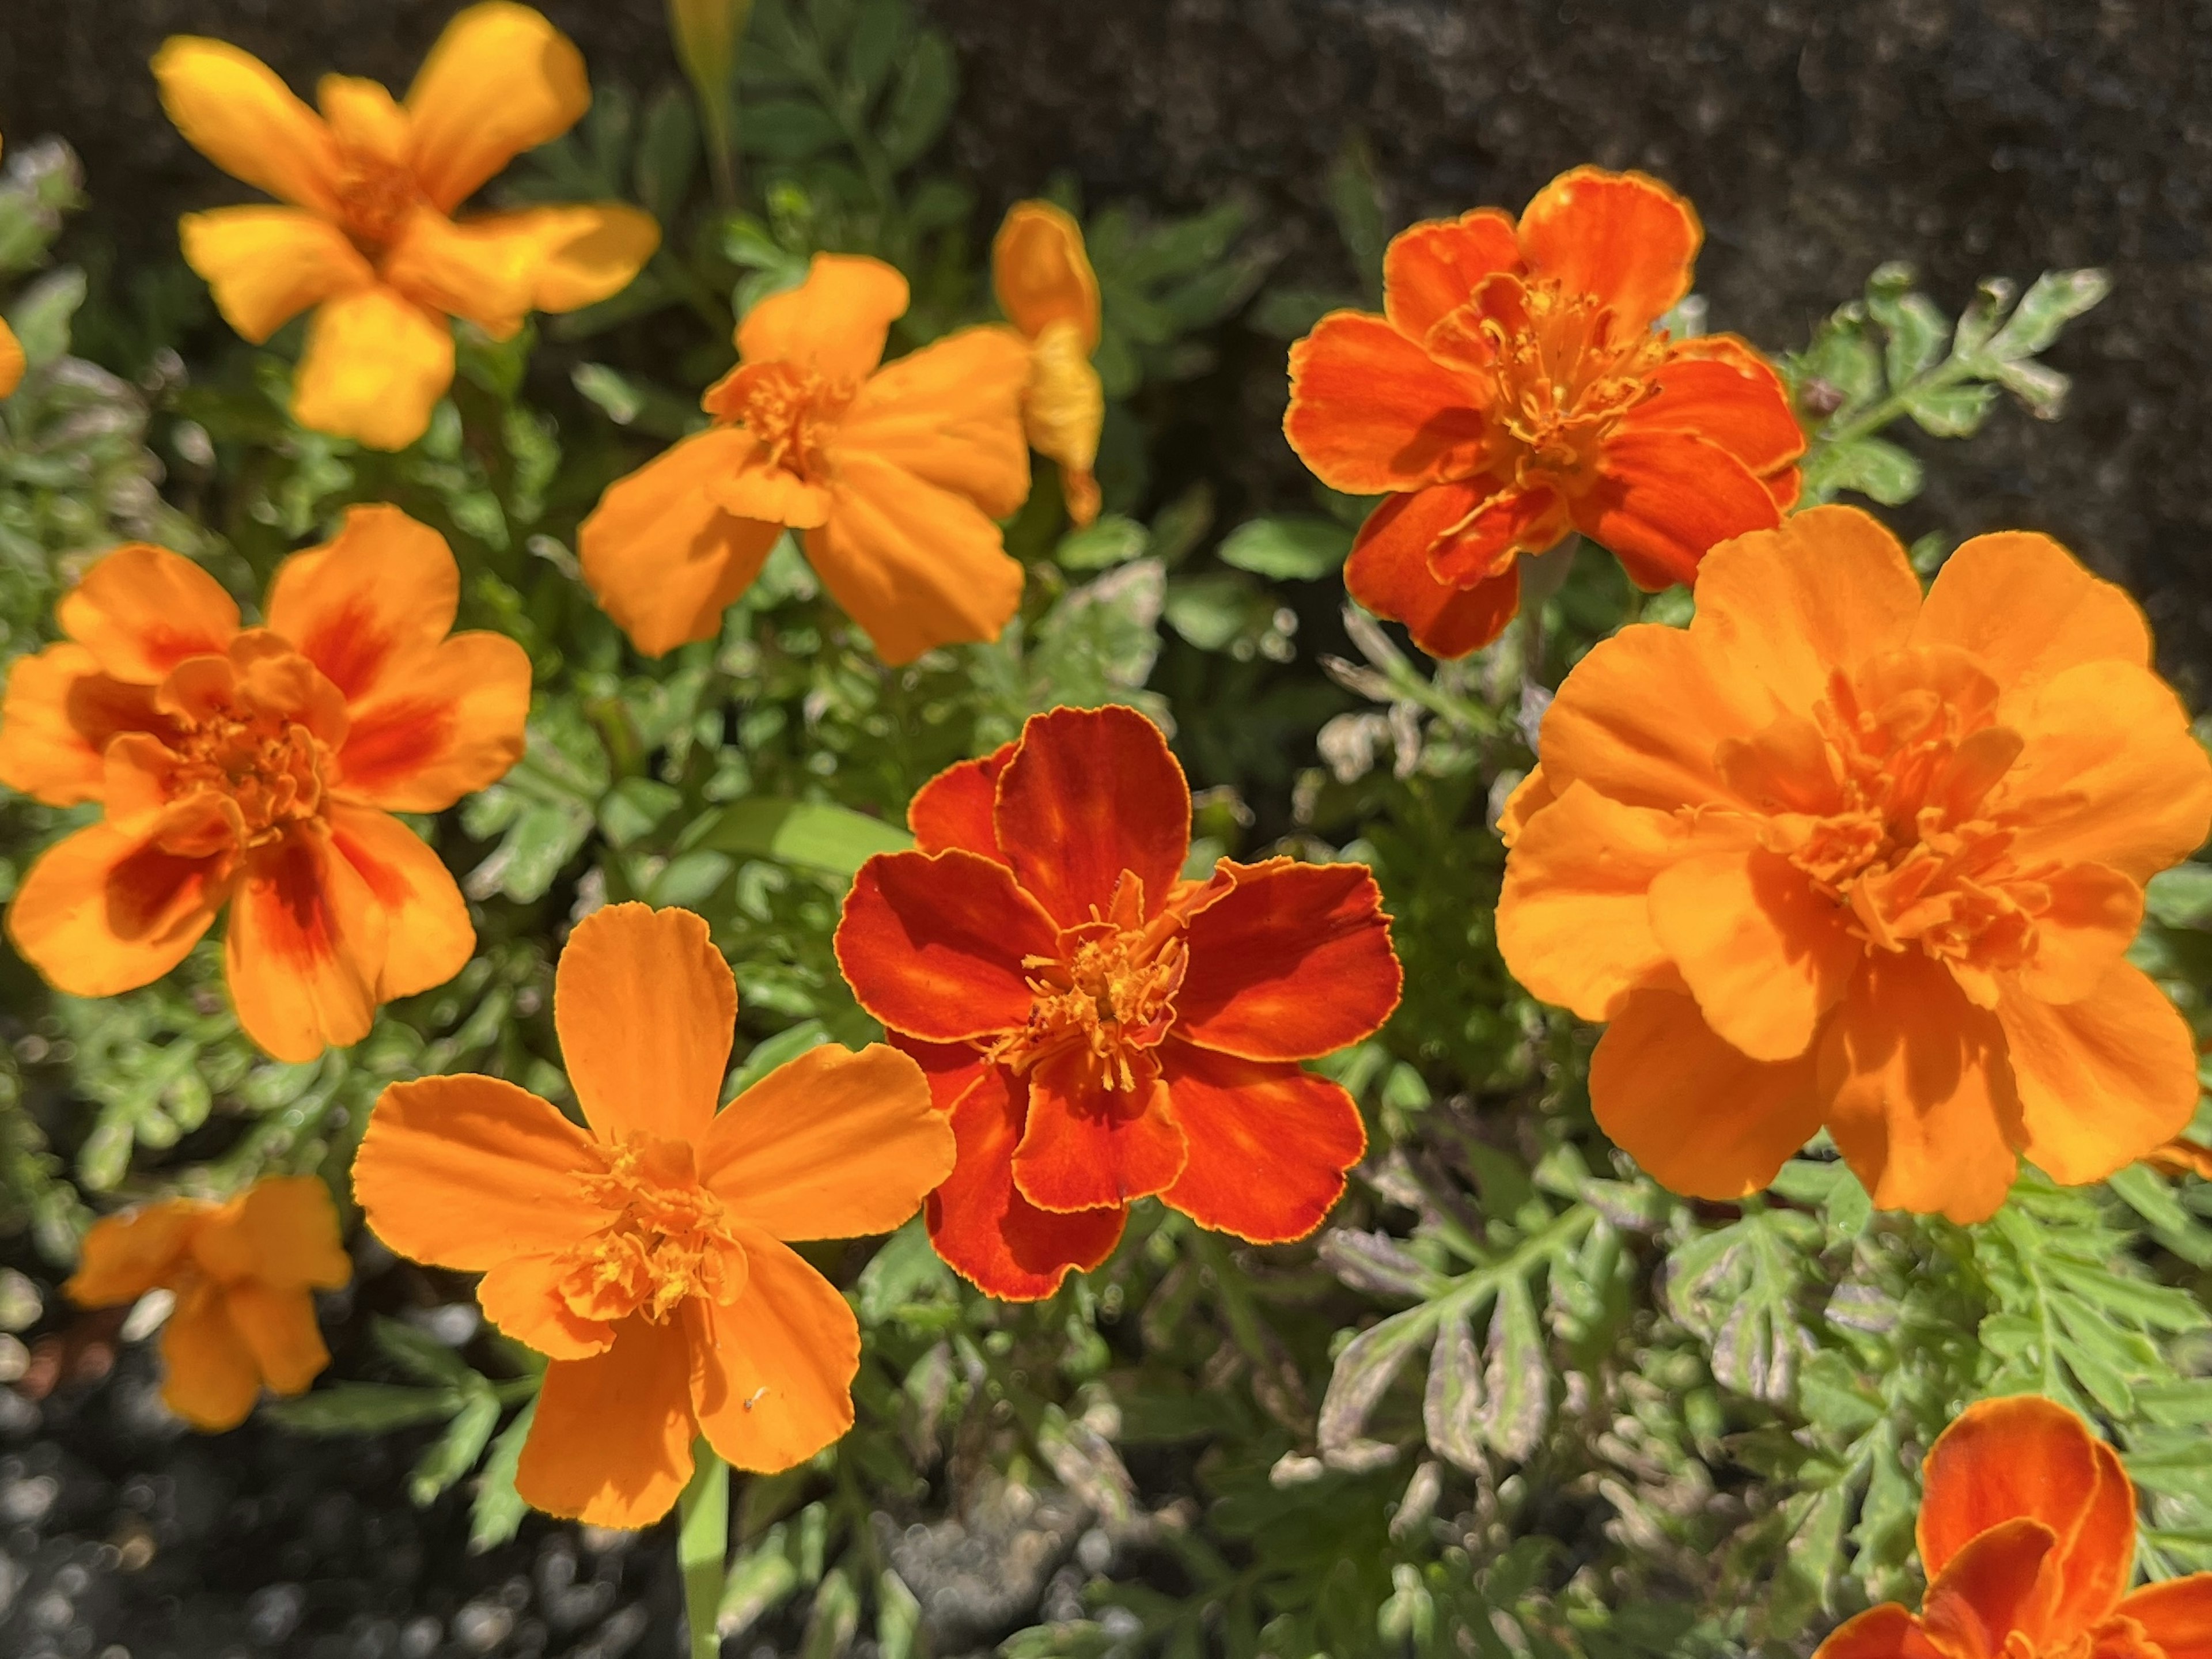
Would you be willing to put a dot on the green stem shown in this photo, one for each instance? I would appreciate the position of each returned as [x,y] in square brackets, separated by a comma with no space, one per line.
[1866,424]
[702,1541]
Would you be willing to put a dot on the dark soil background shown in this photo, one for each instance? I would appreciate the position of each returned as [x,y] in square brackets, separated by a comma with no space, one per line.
[1818,138]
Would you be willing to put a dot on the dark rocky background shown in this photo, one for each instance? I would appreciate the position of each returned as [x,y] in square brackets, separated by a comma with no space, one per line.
[1818,137]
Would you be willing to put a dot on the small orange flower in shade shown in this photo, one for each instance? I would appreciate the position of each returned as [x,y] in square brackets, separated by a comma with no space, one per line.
[644,1256]
[1046,289]
[241,1272]
[367,237]
[895,473]
[1838,855]
[261,768]
[1101,1028]
[1515,390]
[2027,1535]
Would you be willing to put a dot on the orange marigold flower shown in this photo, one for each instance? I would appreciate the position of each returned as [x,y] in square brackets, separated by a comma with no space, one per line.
[2181,1156]
[261,768]
[241,1272]
[368,238]
[1837,855]
[895,473]
[2027,1535]
[1515,390]
[1045,285]
[643,1255]
[1100,1029]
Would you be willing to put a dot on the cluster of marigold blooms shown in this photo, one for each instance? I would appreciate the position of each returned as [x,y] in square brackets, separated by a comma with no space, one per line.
[1839,855]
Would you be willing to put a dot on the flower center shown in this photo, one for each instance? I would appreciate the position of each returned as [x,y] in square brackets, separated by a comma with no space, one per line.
[271,769]
[790,413]
[1109,995]
[253,730]
[668,1238]
[1881,800]
[375,195]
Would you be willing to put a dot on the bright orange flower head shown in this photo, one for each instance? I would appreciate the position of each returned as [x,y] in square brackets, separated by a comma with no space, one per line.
[1045,286]
[369,239]
[241,1272]
[643,1255]
[1101,1028]
[2027,1535]
[1836,855]
[1515,390]
[260,767]
[895,474]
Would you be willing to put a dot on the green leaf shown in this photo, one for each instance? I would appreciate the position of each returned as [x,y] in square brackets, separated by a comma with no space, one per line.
[2181,896]
[1287,549]
[1872,466]
[788,128]
[771,1052]
[1112,539]
[667,156]
[1517,1377]
[879,33]
[1453,1407]
[455,1453]
[2042,389]
[2052,299]
[363,1408]
[496,1514]
[759,1581]
[1950,412]
[920,102]
[41,314]
[1917,330]
[423,1354]
[1842,357]
[818,835]
[1355,200]
[1365,1369]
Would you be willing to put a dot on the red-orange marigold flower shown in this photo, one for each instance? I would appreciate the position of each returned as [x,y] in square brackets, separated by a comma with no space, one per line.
[1837,855]
[241,1272]
[261,768]
[1101,1028]
[645,1255]
[1515,390]
[2027,1535]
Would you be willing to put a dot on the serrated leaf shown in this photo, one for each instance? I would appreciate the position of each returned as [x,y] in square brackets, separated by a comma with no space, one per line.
[1302,548]
[1842,357]
[1872,466]
[1517,1375]
[2042,389]
[1916,330]
[1950,412]
[1376,1263]
[2052,301]
[1452,1404]
[1365,1369]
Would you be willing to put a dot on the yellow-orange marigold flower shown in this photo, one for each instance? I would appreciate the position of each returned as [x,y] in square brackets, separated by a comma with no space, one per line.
[644,1256]
[261,768]
[241,1272]
[1834,855]
[368,239]
[1514,390]
[1045,285]
[2027,1535]
[894,473]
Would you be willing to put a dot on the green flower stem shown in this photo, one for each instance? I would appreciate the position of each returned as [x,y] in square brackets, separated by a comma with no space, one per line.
[702,1541]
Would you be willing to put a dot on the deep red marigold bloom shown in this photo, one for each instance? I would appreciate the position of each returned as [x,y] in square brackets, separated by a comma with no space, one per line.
[2027,1535]
[259,767]
[1515,390]
[1099,1028]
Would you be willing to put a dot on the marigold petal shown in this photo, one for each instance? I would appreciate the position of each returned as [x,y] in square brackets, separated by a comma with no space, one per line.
[951,414]
[1718,387]
[978,1220]
[835,323]
[2027,609]
[661,557]
[777,1384]
[1269,1144]
[141,610]
[1530,796]
[267,265]
[1370,412]
[1295,963]
[1432,269]
[610,1444]
[1765,955]
[486,273]
[232,109]
[2110,773]
[770,495]
[305,941]
[428,935]
[2176,1615]
[1042,273]
[1089,793]
[833,1144]
[580,254]
[467,1172]
[2094,916]
[1088,1147]
[1829,589]
[374,366]
[1887,1632]
[500,80]
[522,1296]
[916,566]
[12,360]
[282,1232]
[1574,919]
[1623,237]
[101,913]
[385,588]
[451,724]
[279,1330]
[1064,415]
[1660,499]
[953,809]
[2103,1080]
[1489,540]
[124,1256]
[209,1377]
[1701,1117]
[934,945]
[1998,1585]
[1389,573]
[1921,1102]
[2026,1457]
[55,725]
[645,1008]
